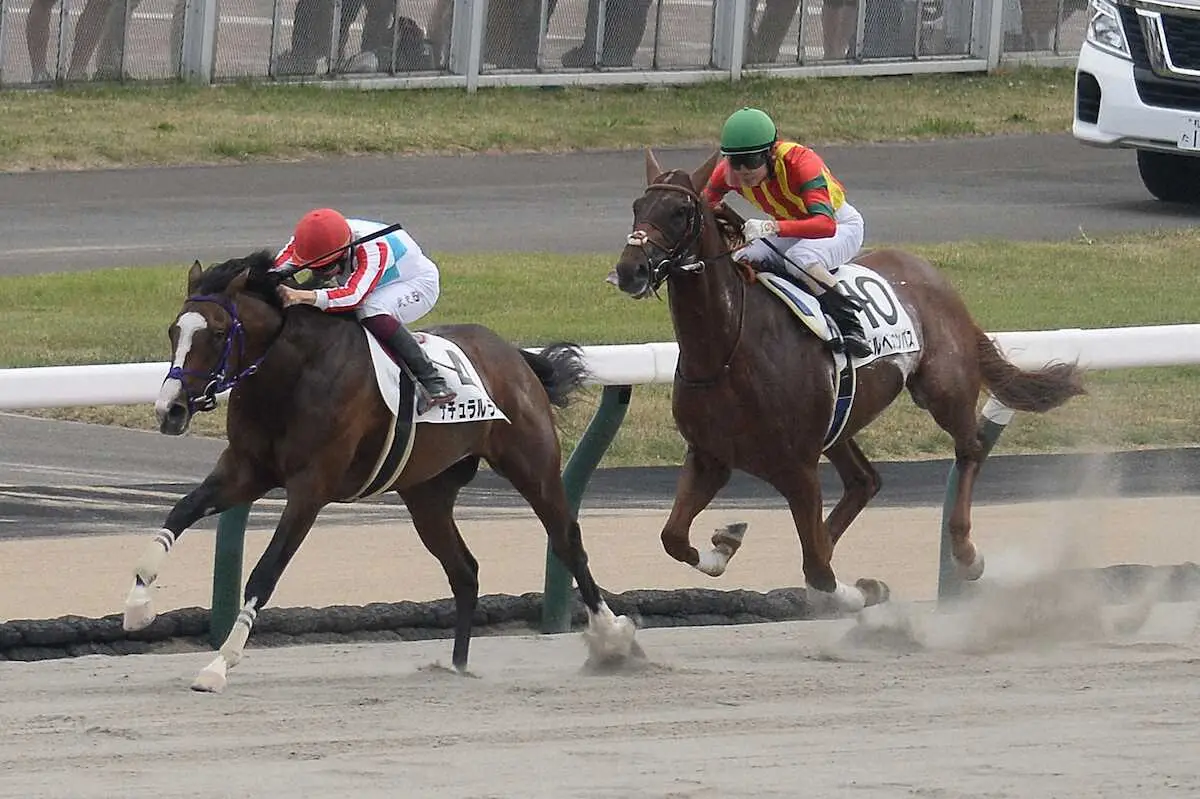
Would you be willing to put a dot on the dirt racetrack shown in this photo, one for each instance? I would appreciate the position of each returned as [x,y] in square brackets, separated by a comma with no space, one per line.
[1030,690]
[1003,698]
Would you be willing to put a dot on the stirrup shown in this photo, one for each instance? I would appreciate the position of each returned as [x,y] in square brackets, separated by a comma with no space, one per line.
[857,347]
[441,396]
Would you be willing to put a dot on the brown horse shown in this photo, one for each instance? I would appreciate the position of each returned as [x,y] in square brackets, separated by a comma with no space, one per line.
[305,414]
[755,391]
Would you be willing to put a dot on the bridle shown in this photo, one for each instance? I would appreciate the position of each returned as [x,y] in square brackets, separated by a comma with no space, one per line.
[218,379]
[649,237]
[664,260]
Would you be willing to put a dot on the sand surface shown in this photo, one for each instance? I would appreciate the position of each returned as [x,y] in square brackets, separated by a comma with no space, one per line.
[994,701]
[1030,690]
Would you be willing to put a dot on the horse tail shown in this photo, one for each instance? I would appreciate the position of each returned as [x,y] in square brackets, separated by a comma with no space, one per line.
[561,370]
[1035,391]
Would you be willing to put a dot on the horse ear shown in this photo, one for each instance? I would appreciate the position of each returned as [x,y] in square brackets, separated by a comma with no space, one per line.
[653,170]
[700,176]
[238,284]
[194,276]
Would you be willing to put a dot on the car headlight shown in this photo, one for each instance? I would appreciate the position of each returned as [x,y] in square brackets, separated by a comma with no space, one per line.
[1104,28]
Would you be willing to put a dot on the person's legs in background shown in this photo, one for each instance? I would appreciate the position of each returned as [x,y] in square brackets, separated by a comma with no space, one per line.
[37,38]
[839,21]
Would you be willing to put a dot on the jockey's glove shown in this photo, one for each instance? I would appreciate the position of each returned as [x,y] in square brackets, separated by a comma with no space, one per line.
[759,229]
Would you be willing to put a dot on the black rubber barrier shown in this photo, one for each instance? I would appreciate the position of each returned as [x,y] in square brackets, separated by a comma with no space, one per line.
[186,629]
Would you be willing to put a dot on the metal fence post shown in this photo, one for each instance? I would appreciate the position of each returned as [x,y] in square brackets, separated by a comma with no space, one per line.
[614,402]
[199,41]
[731,19]
[227,573]
[466,40]
[994,419]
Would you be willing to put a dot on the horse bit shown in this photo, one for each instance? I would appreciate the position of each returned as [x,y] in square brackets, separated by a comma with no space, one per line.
[219,379]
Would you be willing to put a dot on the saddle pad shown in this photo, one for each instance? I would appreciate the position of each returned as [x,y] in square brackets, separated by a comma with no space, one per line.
[885,321]
[472,403]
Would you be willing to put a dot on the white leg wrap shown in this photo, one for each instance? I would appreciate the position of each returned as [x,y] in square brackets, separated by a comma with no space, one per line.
[609,637]
[235,644]
[139,611]
[214,677]
[150,562]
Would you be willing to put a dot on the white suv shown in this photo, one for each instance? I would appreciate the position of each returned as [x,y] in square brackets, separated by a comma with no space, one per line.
[1137,85]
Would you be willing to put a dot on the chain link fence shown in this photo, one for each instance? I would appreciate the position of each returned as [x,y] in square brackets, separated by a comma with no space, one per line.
[49,42]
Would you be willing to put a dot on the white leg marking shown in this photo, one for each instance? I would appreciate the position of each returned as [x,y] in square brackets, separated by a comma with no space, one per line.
[714,561]
[189,323]
[845,598]
[213,677]
[609,637]
[975,570]
[726,541]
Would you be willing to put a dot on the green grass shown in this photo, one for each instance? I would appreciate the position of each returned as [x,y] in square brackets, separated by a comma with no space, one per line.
[120,315]
[114,126]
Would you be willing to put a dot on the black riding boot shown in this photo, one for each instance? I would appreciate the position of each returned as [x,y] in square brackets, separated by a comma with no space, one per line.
[404,345]
[842,310]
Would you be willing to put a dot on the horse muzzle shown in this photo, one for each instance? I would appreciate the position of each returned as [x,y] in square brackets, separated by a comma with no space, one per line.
[173,420]
[172,408]
[633,279]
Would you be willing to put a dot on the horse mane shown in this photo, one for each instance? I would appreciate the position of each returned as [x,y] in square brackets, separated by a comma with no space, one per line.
[261,282]
[729,224]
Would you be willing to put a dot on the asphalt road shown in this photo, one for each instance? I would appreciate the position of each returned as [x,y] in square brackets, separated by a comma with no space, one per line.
[1044,187]
[58,477]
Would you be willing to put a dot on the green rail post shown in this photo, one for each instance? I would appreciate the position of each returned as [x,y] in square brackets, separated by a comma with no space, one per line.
[227,573]
[614,402]
[994,419]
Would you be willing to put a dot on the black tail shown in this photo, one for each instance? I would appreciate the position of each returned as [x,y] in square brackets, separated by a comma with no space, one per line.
[561,369]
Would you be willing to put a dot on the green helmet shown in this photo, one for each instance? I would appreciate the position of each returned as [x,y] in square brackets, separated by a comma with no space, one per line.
[748,130]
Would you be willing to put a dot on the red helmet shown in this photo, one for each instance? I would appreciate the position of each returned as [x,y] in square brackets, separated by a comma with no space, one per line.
[320,234]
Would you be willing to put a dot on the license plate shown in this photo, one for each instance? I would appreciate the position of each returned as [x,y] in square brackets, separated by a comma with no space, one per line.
[1189,134]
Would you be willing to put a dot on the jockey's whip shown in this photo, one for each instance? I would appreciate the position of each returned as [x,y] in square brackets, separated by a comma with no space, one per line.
[355,243]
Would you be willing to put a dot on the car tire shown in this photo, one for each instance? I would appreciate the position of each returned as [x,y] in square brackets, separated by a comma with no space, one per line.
[1169,177]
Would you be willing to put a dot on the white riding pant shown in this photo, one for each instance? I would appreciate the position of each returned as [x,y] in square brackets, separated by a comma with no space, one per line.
[831,252]
[406,301]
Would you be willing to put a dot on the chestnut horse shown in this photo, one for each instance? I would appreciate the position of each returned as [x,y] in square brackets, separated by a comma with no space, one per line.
[305,414]
[755,391]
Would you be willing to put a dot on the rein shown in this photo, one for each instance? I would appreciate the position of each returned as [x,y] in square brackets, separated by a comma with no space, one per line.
[218,378]
[673,261]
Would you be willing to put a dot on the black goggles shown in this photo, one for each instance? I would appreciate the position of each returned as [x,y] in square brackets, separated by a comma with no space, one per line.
[748,160]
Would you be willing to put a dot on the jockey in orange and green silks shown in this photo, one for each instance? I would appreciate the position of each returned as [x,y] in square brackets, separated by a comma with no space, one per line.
[812,229]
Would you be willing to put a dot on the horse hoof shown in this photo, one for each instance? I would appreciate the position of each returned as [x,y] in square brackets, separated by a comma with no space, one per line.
[613,644]
[209,682]
[974,570]
[211,679]
[730,536]
[138,616]
[875,592]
